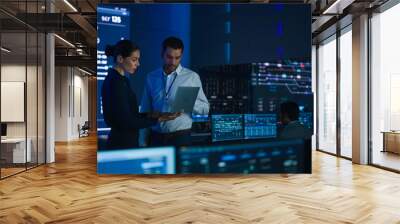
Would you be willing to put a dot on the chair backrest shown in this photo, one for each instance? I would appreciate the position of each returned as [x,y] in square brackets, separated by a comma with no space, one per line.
[86,125]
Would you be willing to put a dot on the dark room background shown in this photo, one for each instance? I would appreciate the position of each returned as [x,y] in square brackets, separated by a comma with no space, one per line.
[218,34]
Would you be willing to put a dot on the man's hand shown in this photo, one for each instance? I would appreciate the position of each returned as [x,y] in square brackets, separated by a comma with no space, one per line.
[154,115]
[163,116]
[168,116]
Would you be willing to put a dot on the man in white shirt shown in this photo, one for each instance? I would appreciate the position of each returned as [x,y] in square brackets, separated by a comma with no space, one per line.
[159,94]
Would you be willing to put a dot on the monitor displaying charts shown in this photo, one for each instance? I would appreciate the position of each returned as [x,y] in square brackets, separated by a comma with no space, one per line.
[260,126]
[159,160]
[226,127]
[277,156]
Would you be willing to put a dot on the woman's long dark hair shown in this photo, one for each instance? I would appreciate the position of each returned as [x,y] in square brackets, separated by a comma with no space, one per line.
[122,47]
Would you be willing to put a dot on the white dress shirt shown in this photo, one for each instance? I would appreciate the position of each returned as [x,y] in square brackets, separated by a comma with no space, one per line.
[160,92]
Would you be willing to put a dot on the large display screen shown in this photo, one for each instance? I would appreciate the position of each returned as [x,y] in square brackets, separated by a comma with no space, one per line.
[252,64]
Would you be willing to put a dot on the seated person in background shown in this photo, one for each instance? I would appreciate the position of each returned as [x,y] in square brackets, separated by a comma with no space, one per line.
[289,118]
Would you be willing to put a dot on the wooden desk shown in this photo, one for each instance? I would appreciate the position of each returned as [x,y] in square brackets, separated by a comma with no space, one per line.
[13,150]
[391,141]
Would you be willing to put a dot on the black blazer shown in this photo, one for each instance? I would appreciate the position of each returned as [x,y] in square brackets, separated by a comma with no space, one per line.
[120,109]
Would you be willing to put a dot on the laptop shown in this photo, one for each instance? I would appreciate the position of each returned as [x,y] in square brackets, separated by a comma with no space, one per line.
[185,99]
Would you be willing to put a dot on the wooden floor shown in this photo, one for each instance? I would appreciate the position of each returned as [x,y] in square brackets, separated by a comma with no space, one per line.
[387,159]
[70,191]
[5,172]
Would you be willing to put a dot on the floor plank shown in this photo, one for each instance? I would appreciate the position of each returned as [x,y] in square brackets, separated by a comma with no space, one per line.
[70,191]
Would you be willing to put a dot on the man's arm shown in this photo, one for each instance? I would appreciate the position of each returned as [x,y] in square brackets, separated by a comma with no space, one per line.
[201,106]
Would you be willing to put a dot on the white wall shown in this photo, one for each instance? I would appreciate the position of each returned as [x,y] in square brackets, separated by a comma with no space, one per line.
[33,127]
[15,73]
[71,93]
[61,103]
[80,89]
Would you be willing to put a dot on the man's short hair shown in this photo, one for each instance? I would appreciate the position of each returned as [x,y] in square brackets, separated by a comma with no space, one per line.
[291,109]
[172,42]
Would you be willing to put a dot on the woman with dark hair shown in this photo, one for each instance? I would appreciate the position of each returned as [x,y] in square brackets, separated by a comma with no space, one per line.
[120,107]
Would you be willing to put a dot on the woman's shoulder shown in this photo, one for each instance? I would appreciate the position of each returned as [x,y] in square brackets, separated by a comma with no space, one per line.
[112,71]
[113,75]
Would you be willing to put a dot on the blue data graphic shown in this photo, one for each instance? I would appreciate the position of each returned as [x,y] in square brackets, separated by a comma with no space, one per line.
[276,82]
[226,127]
[260,126]
[113,24]
[264,157]
[306,118]
[295,76]
[259,87]
[137,161]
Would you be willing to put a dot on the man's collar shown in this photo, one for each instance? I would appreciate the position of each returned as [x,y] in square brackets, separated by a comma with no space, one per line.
[178,70]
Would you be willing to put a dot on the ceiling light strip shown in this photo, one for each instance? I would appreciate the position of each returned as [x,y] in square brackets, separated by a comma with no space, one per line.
[5,50]
[86,72]
[64,40]
[70,5]
[326,11]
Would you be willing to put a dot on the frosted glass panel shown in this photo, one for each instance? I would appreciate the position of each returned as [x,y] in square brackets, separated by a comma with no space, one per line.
[346,94]
[385,82]
[327,97]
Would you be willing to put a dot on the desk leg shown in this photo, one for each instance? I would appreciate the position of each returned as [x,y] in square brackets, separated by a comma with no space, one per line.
[384,143]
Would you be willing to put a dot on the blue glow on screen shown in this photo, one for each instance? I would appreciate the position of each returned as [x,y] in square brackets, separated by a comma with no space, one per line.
[137,161]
